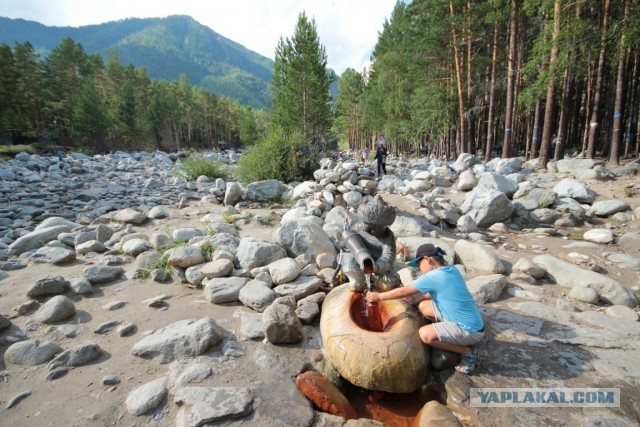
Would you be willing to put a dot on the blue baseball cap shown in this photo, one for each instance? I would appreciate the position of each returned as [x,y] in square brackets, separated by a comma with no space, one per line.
[425,250]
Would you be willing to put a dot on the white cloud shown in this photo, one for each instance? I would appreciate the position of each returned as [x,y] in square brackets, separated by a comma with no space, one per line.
[347,28]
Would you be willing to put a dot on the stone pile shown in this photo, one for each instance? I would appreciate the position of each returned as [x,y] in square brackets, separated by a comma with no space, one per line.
[279,284]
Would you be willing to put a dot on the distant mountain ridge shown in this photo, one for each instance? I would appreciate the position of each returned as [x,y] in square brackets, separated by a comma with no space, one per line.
[166,47]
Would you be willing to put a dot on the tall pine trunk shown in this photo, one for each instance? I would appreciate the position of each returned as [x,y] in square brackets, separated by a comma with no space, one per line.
[456,53]
[614,158]
[535,134]
[470,122]
[633,103]
[593,126]
[549,107]
[492,92]
[564,115]
[508,121]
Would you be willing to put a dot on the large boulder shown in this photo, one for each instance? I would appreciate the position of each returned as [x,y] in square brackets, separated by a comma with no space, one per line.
[257,295]
[185,338]
[223,289]
[569,275]
[573,165]
[575,190]
[203,406]
[478,257]
[487,206]
[130,216]
[48,285]
[31,352]
[467,180]
[232,193]
[284,270]
[253,252]
[608,207]
[184,256]
[487,289]
[268,189]
[147,397]
[464,162]
[498,182]
[404,226]
[280,323]
[56,309]
[36,239]
[301,236]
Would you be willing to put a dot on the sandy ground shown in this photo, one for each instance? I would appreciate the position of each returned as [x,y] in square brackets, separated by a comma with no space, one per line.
[80,398]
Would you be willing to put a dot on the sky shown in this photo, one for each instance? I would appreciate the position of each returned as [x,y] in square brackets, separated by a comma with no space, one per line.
[348,29]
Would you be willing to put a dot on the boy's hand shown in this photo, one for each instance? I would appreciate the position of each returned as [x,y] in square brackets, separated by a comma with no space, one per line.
[372,297]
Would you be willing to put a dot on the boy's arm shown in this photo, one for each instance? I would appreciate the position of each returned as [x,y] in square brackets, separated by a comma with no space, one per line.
[400,292]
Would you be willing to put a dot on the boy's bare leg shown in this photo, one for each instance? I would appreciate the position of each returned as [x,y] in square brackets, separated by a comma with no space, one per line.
[426,308]
[429,336]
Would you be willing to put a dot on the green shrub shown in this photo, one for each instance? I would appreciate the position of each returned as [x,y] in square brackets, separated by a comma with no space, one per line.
[207,251]
[12,150]
[196,165]
[143,274]
[229,218]
[282,155]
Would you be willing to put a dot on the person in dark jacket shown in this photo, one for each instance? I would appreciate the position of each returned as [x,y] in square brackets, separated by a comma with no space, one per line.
[381,158]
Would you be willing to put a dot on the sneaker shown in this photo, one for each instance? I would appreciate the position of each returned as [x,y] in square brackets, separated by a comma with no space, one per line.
[468,362]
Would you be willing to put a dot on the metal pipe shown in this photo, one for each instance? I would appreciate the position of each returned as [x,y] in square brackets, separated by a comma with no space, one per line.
[352,242]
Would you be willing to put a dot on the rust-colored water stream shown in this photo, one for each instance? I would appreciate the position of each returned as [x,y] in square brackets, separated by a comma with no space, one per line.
[369,317]
[392,409]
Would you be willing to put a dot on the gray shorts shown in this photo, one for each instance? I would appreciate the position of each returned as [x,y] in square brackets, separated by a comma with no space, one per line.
[453,333]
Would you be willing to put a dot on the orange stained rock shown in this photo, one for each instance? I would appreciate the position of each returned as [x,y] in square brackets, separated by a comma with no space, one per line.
[325,395]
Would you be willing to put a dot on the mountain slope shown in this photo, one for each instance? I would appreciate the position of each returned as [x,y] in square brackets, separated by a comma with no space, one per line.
[166,47]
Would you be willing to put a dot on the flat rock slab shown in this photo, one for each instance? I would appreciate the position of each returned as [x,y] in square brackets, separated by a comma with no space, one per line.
[568,275]
[202,405]
[542,311]
[615,364]
[53,255]
[587,336]
[614,324]
[185,338]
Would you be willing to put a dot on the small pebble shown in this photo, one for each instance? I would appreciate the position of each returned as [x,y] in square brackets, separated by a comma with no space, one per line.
[17,399]
[57,373]
[110,380]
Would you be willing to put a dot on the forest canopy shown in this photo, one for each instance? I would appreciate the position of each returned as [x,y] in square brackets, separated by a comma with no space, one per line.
[74,97]
[511,77]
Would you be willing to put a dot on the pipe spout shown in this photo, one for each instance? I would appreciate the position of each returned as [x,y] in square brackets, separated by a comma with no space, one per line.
[354,244]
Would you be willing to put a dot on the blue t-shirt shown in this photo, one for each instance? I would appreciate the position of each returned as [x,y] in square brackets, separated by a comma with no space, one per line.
[451,296]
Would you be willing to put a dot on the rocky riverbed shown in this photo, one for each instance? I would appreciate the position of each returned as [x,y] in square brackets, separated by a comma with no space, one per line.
[130,295]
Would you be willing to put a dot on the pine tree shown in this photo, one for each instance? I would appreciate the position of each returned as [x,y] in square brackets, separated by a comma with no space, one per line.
[65,67]
[89,118]
[29,91]
[300,87]
[7,90]
[349,108]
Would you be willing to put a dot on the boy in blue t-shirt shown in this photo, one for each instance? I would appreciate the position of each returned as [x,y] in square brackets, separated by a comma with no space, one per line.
[446,301]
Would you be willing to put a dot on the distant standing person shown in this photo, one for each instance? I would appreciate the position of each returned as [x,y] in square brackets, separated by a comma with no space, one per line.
[381,157]
[365,155]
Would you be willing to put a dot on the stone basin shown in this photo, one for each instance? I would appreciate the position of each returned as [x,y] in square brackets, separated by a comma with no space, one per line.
[380,350]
